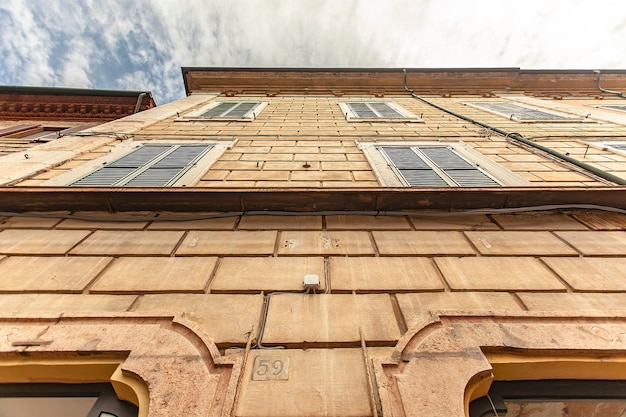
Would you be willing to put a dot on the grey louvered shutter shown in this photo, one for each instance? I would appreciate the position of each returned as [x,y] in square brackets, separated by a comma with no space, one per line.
[167,170]
[361,110]
[614,107]
[219,110]
[374,110]
[414,170]
[520,112]
[462,172]
[231,110]
[148,166]
[385,110]
[620,146]
[241,110]
[419,173]
[114,172]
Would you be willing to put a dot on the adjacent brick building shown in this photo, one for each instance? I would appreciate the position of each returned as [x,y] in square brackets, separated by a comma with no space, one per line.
[32,115]
[325,243]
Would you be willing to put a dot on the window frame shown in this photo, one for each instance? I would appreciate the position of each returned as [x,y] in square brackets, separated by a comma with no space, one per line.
[611,107]
[608,146]
[106,400]
[350,116]
[189,178]
[44,133]
[196,115]
[546,389]
[560,117]
[388,176]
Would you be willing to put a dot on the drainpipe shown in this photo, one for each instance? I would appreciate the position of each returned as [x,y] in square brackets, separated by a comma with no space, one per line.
[139,100]
[597,72]
[517,137]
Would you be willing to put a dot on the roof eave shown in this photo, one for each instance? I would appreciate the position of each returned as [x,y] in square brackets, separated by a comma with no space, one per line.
[112,199]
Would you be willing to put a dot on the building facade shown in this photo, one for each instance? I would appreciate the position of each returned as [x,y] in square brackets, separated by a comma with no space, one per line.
[328,243]
[33,115]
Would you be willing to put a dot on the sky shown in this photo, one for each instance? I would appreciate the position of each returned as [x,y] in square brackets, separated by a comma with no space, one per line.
[141,45]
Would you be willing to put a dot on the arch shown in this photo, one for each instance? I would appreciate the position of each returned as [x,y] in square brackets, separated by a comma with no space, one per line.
[158,363]
[445,361]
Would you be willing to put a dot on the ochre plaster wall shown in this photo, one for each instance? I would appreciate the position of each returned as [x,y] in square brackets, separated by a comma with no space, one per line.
[356,347]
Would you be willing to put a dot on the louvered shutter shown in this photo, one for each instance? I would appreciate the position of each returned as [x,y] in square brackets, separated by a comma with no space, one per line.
[149,165]
[620,146]
[117,170]
[231,110]
[241,110]
[520,112]
[385,110]
[457,168]
[419,173]
[361,110]
[219,110]
[414,170]
[373,110]
[167,170]
[614,107]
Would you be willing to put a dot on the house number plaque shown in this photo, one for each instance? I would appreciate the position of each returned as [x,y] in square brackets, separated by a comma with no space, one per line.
[268,368]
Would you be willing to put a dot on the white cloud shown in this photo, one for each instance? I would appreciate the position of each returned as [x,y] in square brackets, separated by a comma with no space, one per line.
[25,46]
[75,71]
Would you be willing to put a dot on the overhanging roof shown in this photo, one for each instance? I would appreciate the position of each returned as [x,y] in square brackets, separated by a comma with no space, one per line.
[21,199]
[70,104]
[391,80]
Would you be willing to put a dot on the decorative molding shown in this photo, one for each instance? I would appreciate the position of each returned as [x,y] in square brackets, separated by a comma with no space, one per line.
[443,362]
[174,359]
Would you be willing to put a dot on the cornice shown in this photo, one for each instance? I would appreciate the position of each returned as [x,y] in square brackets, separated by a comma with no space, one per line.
[345,81]
[28,106]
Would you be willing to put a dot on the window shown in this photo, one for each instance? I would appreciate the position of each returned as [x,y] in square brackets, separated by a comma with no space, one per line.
[618,107]
[435,164]
[522,113]
[378,111]
[539,398]
[62,400]
[243,111]
[154,163]
[38,133]
[618,146]
[157,165]
[44,135]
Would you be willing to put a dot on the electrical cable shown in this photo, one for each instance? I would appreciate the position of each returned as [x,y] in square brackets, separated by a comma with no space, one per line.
[316,213]
[264,311]
[620,94]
